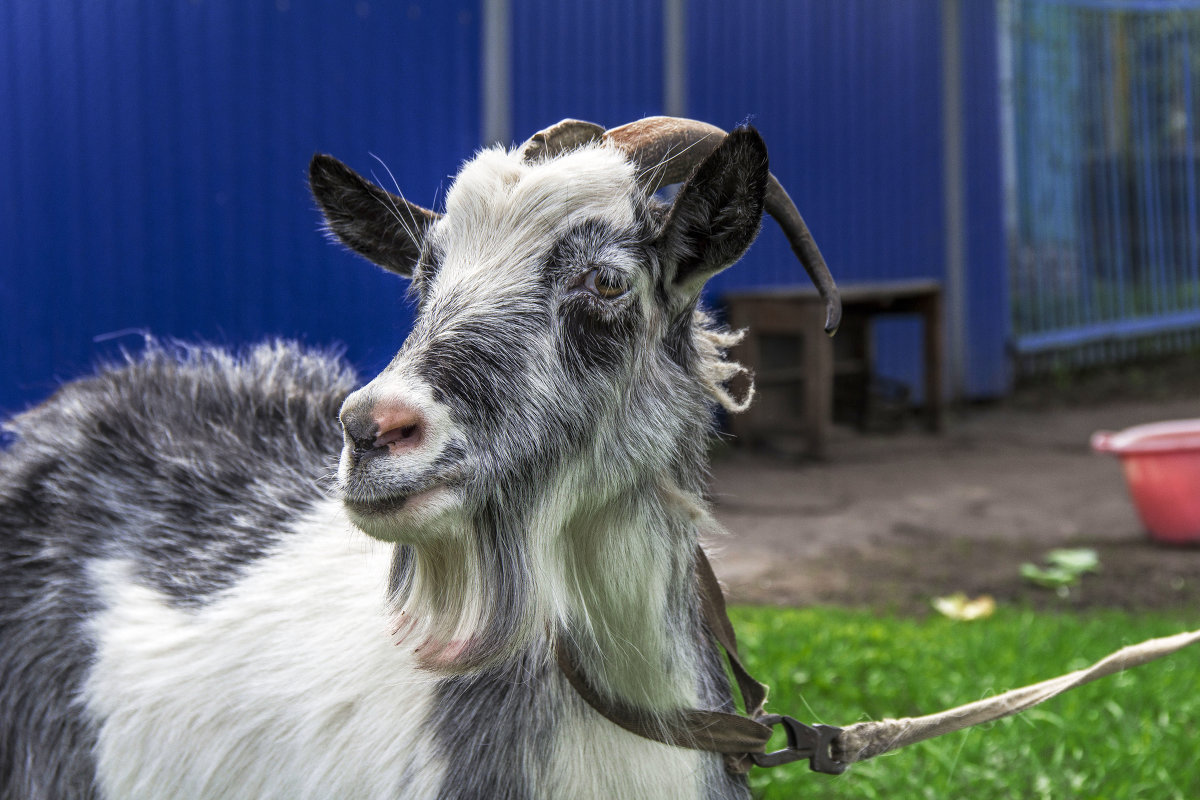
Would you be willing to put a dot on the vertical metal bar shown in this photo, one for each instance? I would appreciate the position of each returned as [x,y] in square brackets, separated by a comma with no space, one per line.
[1152,75]
[496,83]
[1142,113]
[1105,178]
[1137,160]
[1040,144]
[1006,20]
[1076,139]
[675,86]
[1177,236]
[1034,173]
[1160,199]
[1118,168]
[954,194]
[1193,254]
[1021,126]
[1066,121]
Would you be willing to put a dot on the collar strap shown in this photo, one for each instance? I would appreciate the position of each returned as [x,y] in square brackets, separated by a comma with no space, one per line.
[741,739]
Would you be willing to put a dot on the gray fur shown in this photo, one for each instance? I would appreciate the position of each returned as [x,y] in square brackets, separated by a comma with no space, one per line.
[186,460]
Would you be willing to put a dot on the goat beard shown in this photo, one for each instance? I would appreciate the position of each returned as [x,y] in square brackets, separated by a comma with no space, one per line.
[464,603]
[466,599]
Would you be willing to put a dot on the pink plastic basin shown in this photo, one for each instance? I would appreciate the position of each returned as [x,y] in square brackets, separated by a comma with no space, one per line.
[1162,468]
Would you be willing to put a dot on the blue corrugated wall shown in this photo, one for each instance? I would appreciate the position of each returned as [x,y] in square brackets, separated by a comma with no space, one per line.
[598,60]
[847,95]
[156,153]
[155,162]
[988,302]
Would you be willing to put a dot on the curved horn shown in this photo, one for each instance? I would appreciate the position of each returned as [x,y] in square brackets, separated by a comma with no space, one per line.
[668,149]
[565,135]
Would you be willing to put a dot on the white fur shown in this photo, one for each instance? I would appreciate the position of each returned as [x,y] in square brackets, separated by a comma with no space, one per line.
[585,541]
[288,685]
[502,214]
[619,765]
[585,555]
[445,605]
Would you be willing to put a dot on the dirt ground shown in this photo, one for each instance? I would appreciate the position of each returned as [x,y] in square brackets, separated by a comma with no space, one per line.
[891,521]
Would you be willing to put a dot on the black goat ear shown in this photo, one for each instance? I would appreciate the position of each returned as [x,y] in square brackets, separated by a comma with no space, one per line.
[381,227]
[716,214]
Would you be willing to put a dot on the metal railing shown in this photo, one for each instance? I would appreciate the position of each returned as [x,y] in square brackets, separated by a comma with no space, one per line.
[1103,181]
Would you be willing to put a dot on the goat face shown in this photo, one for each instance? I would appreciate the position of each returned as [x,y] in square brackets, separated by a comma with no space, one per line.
[557,347]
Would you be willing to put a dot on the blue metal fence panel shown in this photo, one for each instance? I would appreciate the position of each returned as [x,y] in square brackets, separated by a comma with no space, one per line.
[157,151]
[156,156]
[597,60]
[1107,234]
[988,304]
[847,96]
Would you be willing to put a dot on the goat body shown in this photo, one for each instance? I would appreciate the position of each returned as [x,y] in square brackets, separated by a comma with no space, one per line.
[189,609]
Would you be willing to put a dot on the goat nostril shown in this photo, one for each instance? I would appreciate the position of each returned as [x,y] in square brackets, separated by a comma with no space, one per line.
[401,427]
[363,444]
[400,437]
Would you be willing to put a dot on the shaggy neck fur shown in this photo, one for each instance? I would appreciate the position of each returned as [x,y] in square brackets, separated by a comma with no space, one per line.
[624,580]
[616,577]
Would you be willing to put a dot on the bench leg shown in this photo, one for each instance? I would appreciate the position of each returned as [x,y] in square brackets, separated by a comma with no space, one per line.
[931,313]
[818,384]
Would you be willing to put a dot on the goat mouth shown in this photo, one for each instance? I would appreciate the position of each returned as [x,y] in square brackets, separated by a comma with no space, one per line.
[371,495]
[391,503]
[379,506]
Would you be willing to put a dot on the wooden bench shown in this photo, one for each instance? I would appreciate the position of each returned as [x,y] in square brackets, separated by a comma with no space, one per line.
[794,362]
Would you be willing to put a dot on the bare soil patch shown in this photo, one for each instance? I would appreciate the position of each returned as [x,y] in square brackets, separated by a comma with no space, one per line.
[891,522]
[904,578]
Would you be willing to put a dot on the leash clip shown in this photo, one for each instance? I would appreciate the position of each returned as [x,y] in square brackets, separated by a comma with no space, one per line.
[814,742]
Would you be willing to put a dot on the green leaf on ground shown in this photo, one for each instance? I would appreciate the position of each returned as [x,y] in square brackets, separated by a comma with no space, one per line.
[1064,567]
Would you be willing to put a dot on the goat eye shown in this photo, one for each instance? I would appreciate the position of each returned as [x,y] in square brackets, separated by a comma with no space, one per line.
[604,286]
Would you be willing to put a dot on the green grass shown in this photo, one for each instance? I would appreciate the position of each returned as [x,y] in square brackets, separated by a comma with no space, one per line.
[1131,735]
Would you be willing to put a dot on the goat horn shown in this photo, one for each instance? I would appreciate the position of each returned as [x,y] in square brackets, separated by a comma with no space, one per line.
[559,138]
[667,150]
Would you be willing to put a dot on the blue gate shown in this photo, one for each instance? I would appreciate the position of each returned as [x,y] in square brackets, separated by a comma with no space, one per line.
[1104,190]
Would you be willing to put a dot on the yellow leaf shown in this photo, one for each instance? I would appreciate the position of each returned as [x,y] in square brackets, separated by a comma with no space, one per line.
[959,606]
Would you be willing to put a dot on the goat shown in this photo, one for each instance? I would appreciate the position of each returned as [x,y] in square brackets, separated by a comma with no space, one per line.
[188,610]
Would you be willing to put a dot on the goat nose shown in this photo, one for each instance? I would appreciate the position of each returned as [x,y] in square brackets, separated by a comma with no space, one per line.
[393,426]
